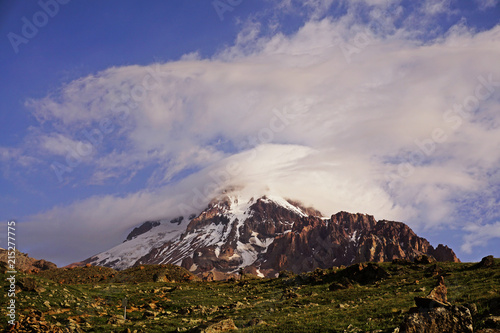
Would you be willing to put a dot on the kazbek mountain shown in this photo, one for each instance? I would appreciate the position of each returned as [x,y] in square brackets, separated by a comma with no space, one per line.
[264,236]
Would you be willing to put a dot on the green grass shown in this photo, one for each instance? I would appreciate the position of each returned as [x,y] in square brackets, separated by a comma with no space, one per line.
[296,303]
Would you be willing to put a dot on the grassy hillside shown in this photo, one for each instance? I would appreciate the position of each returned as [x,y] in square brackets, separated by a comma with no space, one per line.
[334,300]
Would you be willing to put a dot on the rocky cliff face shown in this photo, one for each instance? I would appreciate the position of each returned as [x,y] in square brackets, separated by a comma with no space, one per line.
[345,239]
[269,234]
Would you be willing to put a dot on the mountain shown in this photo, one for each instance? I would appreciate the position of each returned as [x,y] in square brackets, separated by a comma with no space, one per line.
[264,236]
[24,263]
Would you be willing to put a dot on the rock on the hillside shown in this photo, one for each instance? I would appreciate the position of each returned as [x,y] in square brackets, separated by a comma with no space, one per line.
[365,273]
[440,292]
[44,264]
[27,284]
[486,262]
[219,326]
[492,322]
[452,319]
[435,315]
[25,263]
[424,259]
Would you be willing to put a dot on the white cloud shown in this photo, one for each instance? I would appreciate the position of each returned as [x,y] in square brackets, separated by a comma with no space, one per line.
[288,170]
[480,235]
[343,133]
[433,7]
[486,4]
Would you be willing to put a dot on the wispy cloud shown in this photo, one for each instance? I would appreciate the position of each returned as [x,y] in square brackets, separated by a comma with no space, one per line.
[486,4]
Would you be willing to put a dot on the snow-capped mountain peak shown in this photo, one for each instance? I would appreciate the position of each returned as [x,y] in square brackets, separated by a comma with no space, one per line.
[264,235]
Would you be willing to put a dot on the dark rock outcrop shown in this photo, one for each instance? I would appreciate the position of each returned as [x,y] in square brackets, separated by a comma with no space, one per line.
[145,227]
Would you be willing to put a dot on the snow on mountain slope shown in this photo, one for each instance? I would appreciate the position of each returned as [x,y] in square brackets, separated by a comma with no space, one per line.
[127,253]
[227,234]
[225,231]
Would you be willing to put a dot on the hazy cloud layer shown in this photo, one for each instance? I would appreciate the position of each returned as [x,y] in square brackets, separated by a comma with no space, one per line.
[341,114]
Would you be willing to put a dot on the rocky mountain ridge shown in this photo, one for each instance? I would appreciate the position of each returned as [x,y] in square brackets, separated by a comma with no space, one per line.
[266,235]
[24,263]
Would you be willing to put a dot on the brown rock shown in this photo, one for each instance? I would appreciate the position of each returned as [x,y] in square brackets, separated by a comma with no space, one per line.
[436,298]
[453,319]
[219,326]
[440,292]
[424,259]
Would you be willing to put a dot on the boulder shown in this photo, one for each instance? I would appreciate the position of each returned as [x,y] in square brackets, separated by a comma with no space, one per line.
[440,292]
[452,319]
[365,273]
[160,277]
[486,262]
[424,259]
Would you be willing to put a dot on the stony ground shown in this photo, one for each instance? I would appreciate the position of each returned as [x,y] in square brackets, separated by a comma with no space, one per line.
[360,298]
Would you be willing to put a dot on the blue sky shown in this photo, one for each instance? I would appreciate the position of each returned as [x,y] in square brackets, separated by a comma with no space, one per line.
[222,82]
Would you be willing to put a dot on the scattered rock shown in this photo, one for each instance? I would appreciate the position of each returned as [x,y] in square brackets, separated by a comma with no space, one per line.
[215,327]
[116,320]
[149,314]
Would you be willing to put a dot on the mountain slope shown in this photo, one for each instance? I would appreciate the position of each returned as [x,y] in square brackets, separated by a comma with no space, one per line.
[266,235]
